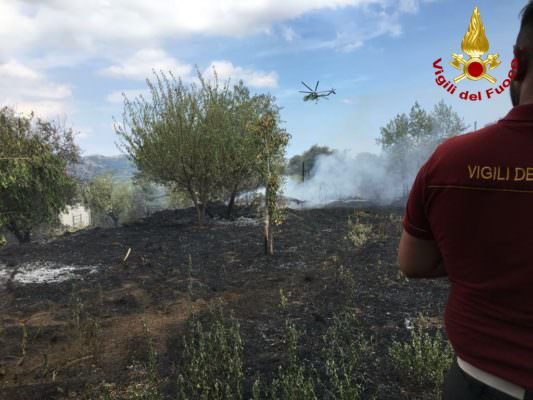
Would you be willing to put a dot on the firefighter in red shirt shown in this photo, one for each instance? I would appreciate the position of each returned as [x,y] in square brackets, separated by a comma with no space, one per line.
[469,217]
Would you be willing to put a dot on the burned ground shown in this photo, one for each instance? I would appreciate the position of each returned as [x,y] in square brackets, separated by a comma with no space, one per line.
[43,358]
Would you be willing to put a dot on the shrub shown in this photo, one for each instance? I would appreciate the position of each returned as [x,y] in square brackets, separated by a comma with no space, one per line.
[212,361]
[345,354]
[291,382]
[422,361]
[358,233]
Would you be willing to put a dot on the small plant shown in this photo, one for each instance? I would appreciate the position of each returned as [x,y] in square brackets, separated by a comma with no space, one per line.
[422,361]
[400,277]
[359,233]
[291,382]
[45,365]
[349,285]
[151,367]
[212,361]
[345,353]
[92,337]
[76,306]
[396,222]
[256,389]
[23,342]
[282,300]
[189,276]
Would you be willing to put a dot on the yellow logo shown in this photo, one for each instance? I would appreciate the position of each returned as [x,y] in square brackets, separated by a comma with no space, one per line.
[475,44]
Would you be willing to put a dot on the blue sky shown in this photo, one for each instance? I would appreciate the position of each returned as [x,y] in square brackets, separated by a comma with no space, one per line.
[72,59]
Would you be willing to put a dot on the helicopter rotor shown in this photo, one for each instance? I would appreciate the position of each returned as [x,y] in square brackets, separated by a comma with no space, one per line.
[303,83]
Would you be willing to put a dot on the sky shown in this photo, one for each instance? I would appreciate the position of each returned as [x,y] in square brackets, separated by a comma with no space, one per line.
[71,60]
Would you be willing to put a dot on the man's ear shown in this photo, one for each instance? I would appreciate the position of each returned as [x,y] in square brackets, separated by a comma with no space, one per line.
[522,63]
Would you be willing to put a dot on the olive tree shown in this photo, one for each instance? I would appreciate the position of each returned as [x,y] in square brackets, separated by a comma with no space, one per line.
[408,139]
[108,199]
[194,138]
[34,184]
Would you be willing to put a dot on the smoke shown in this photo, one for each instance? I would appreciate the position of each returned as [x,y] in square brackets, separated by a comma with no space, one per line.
[383,179]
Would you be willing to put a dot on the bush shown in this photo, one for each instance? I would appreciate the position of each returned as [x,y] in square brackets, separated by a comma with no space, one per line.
[424,360]
[212,360]
[358,233]
[346,352]
[291,382]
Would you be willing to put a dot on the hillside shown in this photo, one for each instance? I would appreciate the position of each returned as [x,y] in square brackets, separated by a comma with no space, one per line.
[119,166]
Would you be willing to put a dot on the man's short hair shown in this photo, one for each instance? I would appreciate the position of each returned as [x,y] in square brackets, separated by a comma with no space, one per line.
[525,37]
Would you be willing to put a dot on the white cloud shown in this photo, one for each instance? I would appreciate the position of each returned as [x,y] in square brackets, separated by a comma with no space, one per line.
[226,69]
[28,90]
[140,65]
[76,24]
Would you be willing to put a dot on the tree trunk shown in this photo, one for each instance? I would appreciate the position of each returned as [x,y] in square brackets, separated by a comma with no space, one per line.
[114,218]
[231,203]
[269,249]
[200,213]
[22,235]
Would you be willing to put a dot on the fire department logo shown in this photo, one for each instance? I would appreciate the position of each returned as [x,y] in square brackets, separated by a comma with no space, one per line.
[475,44]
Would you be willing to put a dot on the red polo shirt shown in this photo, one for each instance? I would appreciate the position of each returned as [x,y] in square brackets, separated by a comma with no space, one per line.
[474,196]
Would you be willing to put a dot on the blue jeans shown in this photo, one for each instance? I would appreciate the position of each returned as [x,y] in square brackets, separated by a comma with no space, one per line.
[458,385]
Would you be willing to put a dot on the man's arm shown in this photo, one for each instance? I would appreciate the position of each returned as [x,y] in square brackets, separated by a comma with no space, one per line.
[438,272]
[419,258]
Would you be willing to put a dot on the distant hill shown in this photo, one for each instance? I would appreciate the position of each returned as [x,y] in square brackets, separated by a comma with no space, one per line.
[120,167]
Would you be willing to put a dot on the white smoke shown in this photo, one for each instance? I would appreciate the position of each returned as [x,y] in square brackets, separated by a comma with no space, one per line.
[382,179]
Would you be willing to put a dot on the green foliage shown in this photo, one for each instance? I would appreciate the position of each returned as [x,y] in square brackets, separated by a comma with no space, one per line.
[409,139]
[194,139]
[423,361]
[108,199]
[270,166]
[346,353]
[421,127]
[291,382]
[359,233]
[212,361]
[294,166]
[34,184]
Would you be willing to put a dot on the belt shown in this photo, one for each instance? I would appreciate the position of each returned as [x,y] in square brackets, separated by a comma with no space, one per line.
[493,381]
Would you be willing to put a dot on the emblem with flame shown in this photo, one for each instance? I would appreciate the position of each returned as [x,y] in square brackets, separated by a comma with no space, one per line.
[475,44]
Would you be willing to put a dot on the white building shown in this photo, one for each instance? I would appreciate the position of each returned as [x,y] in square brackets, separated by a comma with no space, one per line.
[76,216]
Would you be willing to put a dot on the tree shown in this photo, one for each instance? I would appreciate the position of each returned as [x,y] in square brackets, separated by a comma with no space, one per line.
[271,162]
[108,199]
[34,184]
[193,139]
[308,159]
[238,148]
[172,138]
[409,139]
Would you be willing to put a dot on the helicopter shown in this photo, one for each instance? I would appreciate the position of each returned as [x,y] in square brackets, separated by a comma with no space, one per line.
[314,95]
